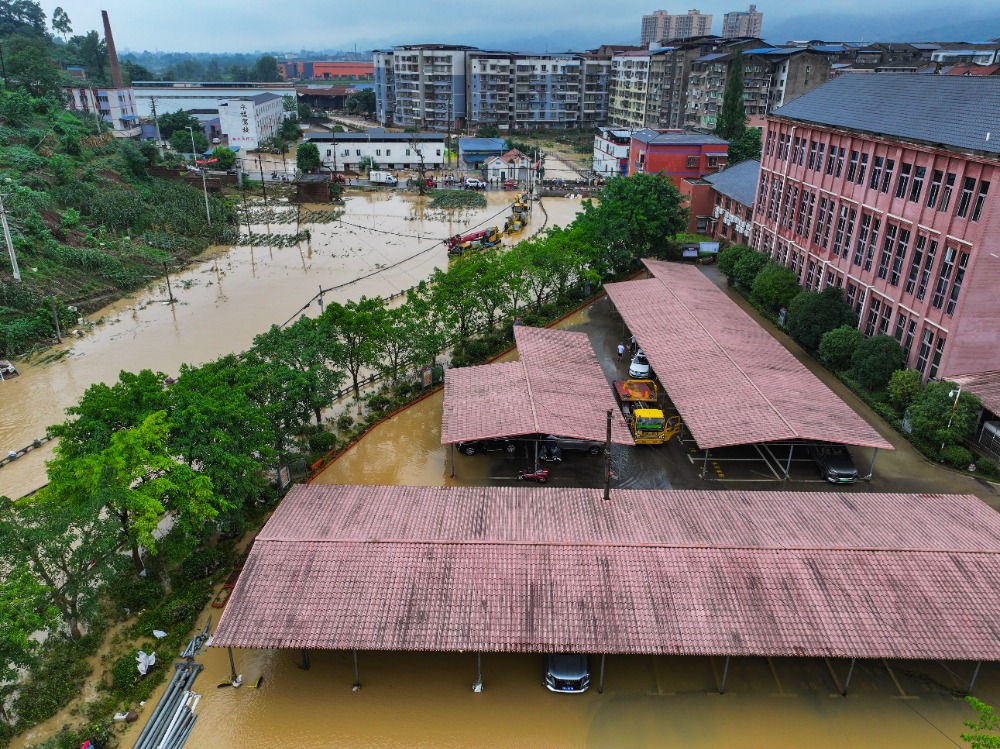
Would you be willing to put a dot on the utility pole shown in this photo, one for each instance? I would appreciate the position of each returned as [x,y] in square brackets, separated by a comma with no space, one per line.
[204,184]
[55,317]
[156,124]
[170,292]
[10,244]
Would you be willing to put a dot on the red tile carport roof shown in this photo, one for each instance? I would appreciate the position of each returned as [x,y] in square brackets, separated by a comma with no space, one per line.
[732,382]
[984,385]
[532,569]
[557,387]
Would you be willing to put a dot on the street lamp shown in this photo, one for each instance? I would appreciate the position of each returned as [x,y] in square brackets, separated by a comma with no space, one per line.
[204,184]
[952,394]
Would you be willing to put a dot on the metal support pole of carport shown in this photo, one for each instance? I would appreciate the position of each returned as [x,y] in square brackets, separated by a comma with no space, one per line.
[975,675]
[477,685]
[600,681]
[232,666]
[453,460]
[704,465]
[788,465]
[871,466]
[725,675]
[357,675]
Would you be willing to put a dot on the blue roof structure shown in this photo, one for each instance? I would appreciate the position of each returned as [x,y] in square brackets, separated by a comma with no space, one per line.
[738,182]
[956,111]
[488,145]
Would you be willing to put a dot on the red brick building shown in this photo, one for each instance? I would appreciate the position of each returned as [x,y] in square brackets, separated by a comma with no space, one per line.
[880,184]
[675,153]
[301,70]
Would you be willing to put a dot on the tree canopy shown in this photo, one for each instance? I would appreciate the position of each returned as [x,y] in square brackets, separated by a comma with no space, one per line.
[813,313]
[732,121]
[307,158]
[24,17]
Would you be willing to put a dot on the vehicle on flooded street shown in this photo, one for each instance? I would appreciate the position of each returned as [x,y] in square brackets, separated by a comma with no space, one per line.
[567,672]
[472,447]
[573,444]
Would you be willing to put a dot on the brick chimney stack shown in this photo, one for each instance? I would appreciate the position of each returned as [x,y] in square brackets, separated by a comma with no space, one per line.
[116,72]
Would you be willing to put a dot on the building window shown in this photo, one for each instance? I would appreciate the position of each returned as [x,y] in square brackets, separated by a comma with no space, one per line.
[852,167]
[949,185]
[918,183]
[900,327]
[887,243]
[692,162]
[831,160]
[821,219]
[908,342]
[439,152]
[984,188]
[861,169]
[357,152]
[936,361]
[859,248]
[956,286]
[918,255]
[904,179]
[388,152]
[925,275]
[872,244]
[819,157]
[852,293]
[899,257]
[944,277]
[840,161]
[935,189]
[407,151]
[926,340]
[796,144]
[883,326]
[769,145]
[965,200]
[890,164]
[811,164]
[378,151]
[810,273]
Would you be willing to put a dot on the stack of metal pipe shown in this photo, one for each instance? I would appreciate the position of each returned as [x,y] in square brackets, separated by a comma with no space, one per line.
[173,717]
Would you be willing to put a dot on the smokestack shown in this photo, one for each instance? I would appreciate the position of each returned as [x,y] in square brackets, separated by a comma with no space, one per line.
[116,72]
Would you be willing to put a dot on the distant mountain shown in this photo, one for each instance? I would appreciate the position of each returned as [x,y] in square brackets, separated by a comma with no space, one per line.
[962,25]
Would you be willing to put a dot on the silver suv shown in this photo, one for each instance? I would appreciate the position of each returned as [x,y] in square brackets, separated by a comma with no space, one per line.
[572,443]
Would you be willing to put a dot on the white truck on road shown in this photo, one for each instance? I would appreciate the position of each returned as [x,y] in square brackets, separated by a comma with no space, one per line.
[382,178]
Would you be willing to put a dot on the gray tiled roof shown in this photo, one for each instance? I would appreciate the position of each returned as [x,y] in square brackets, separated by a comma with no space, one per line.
[687,138]
[738,182]
[953,111]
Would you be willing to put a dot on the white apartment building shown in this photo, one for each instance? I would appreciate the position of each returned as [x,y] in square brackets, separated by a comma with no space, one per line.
[115,106]
[661,25]
[426,87]
[740,24]
[248,121]
[611,152]
[344,151]
[641,86]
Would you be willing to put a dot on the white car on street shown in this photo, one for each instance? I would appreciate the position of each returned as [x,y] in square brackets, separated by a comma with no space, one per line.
[639,366]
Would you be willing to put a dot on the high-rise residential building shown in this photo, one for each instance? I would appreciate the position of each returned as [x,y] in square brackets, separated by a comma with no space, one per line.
[855,192]
[662,26]
[742,23]
[428,86]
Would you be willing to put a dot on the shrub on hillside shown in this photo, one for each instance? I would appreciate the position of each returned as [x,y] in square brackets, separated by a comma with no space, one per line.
[904,386]
[728,257]
[813,313]
[775,287]
[746,269]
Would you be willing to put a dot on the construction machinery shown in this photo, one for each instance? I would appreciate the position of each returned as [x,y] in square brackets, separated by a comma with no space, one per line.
[462,243]
[640,406]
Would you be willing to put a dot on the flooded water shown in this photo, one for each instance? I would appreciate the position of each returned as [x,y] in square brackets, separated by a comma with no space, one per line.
[233,293]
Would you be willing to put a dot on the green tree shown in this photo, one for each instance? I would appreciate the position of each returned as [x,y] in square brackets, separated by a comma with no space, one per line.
[23,17]
[226,157]
[220,431]
[732,121]
[745,148]
[180,141]
[30,67]
[137,482]
[68,549]
[874,361]
[265,70]
[987,720]
[455,295]
[61,23]
[178,121]
[361,102]
[488,130]
[813,313]
[775,286]
[307,158]
[634,218]
[367,164]
[311,358]
[106,409]
[353,327]
[92,51]
[24,610]
[430,334]
[941,415]
[746,269]
[904,387]
[133,71]
[728,257]
[837,347]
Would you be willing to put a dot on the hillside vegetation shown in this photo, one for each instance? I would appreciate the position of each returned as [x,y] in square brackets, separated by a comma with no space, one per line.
[87,222]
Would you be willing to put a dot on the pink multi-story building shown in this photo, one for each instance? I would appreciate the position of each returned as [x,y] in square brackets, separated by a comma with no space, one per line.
[880,184]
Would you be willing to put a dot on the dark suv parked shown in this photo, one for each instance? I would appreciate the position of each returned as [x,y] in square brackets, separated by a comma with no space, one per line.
[487,446]
[835,463]
[572,443]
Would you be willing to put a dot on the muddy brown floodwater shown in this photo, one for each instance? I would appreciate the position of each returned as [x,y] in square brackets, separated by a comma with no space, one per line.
[230,294]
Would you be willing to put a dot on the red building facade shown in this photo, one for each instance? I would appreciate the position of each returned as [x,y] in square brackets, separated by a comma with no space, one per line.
[676,154]
[881,185]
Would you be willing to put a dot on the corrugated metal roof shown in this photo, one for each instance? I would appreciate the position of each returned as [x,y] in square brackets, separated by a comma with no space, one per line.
[557,387]
[532,569]
[738,182]
[498,145]
[955,111]
[984,385]
[686,138]
[732,382]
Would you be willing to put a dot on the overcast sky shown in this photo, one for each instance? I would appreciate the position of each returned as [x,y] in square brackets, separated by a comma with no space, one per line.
[536,25]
